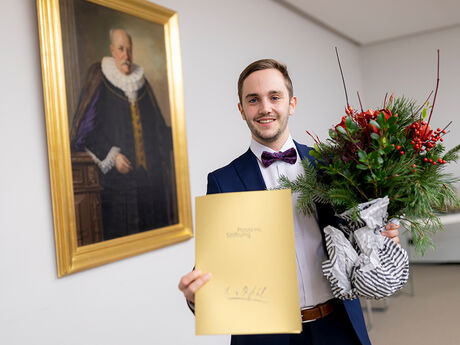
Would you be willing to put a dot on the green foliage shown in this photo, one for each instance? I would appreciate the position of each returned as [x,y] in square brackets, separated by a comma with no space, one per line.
[373,155]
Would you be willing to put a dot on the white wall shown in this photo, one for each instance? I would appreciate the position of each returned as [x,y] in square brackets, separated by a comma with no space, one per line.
[136,301]
[408,67]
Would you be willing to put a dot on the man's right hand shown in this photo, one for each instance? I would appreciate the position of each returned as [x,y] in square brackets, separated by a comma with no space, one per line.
[190,283]
[122,164]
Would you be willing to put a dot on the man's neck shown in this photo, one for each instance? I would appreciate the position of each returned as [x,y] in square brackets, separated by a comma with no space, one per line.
[275,145]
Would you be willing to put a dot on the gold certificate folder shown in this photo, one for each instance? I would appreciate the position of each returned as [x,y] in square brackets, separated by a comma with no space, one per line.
[246,241]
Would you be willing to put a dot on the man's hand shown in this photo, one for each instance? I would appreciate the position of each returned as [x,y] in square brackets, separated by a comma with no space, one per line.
[190,283]
[122,164]
[392,232]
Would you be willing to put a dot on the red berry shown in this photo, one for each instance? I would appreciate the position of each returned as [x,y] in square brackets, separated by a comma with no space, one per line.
[398,147]
[425,159]
[434,163]
[430,160]
[439,129]
[441,139]
[413,165]
[443,132]
[402,152]
[439,160]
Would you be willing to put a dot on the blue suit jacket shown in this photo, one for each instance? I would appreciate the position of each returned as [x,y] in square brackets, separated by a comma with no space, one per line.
[243,174]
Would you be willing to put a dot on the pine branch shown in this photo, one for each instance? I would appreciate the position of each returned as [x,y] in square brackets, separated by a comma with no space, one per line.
[452,154]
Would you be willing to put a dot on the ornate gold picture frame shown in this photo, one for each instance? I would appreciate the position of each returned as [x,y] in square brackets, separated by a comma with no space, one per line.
[113,99]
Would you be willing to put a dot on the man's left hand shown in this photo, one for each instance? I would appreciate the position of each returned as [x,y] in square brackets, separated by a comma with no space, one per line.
[392,232]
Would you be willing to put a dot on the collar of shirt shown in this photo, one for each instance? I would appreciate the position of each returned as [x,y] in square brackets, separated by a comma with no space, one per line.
[272,174]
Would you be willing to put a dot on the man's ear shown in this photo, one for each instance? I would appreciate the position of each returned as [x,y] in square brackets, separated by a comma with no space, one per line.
[292,105]
[240,109]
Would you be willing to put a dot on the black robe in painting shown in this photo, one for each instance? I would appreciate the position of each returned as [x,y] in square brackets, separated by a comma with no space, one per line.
[142,199]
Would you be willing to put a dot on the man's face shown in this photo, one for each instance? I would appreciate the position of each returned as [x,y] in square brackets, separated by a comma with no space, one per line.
[122,51]
[266,107]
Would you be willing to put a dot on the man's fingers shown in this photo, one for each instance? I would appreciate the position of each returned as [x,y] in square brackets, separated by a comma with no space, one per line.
[126,166]
[126,161]
[391,233]
[391,226]
[122,164]
[188,278]
[123,160]
[191,282]
[195,285]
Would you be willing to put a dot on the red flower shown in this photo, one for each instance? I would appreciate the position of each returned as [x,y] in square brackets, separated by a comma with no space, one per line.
[342,123]
[425,131]
[364,117]
[385,111]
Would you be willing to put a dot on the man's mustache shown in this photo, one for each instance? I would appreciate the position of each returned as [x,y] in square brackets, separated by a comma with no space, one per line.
[126,62]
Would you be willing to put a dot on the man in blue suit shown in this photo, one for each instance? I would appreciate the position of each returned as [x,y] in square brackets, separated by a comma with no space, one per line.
[266,102]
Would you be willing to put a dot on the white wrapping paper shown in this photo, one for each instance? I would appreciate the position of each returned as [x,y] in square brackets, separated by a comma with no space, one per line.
[377,269]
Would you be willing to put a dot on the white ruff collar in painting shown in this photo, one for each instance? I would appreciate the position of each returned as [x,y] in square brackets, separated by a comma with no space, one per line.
[128,83]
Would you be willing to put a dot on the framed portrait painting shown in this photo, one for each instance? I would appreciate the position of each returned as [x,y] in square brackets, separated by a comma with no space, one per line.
[113,96]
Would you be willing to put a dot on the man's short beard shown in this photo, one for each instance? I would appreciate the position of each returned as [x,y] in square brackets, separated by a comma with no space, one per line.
[256,133]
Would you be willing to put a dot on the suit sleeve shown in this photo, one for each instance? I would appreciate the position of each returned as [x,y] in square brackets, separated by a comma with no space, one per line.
[213,185]
[327,217]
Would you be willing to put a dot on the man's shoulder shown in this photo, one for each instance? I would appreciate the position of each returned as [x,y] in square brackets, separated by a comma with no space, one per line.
[241,174]
[232,166]
[94,78]
[303,150]
[94,71]
[301,145]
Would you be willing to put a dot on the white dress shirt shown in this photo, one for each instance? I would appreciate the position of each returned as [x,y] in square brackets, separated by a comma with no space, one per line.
[313,286]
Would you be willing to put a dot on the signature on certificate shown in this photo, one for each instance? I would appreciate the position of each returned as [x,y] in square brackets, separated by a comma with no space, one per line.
[247,293]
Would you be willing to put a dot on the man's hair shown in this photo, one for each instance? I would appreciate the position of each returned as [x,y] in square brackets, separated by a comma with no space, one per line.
[260,65]
[112,31]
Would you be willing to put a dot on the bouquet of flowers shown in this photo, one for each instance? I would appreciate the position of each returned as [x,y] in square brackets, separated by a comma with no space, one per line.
[378,164]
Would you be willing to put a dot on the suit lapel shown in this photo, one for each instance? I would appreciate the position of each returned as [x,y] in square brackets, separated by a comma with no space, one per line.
[248,171]
[303,151]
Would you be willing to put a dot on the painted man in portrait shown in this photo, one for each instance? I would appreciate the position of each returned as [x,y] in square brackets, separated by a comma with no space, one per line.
[119,123]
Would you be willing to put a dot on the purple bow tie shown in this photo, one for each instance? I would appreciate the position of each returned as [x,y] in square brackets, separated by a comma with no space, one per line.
[288,156]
